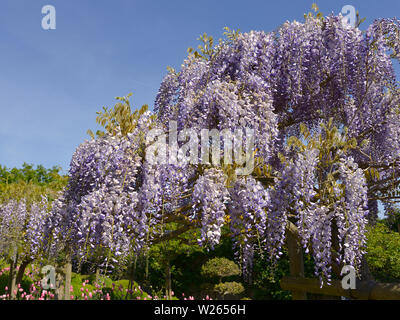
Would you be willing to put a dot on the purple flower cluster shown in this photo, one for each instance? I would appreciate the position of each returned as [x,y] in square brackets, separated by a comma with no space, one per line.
[302,73]
[22,227]
[249,202]
[351,213]
[209,202]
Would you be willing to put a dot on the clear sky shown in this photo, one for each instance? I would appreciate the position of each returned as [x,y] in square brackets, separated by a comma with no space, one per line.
[52,82]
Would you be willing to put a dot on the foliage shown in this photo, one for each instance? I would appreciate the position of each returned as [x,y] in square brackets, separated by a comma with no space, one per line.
[39,176]
[219,268]
[383,253]
[30,184]
[393,217]
[229,289]
[4,277]
[216,269]
[266,277]
[120,119]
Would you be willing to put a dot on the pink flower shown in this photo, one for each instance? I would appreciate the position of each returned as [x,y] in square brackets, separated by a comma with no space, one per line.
[90,295]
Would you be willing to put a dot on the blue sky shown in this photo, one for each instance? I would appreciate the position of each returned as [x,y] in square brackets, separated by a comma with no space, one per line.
[53,82]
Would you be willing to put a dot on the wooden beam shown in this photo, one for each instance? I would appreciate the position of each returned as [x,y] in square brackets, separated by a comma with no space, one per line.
[296,263]
[365,290]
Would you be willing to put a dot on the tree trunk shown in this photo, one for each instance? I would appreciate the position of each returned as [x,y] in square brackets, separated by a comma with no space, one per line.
[372,212]
[132,273]
[147,265]
[12,275]
[22,268]
[168,281]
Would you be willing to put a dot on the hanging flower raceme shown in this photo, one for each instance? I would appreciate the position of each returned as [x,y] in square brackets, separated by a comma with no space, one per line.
[210,196]
[100,206]
[22,227]
[35,227]
[12,218]
[351,213]
[249,202]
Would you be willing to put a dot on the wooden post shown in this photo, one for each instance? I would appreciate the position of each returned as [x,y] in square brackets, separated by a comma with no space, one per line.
[296,263]
[97,281]
[68,271]
[60,282]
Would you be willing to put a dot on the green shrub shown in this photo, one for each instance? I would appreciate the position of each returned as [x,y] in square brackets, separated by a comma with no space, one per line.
[219,268]
[383,253]
[229,289]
